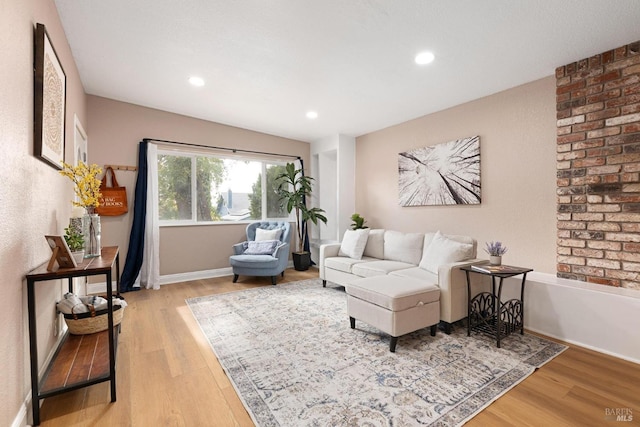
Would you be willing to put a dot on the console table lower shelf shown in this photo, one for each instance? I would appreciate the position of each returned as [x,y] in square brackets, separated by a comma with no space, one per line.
[500,324]
[81,360]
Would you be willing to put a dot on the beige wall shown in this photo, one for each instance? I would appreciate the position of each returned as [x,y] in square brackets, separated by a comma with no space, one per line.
[117,127]
[518,172]
[35,199]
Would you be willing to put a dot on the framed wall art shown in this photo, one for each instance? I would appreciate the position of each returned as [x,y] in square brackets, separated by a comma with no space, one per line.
[50,87]
[442,174]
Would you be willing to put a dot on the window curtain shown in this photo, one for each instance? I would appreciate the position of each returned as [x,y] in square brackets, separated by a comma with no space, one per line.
[142,263]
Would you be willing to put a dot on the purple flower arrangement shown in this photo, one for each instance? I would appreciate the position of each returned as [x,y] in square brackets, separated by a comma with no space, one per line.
[495,248]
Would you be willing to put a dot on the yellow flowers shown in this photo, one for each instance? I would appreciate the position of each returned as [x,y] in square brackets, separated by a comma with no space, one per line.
[87,184]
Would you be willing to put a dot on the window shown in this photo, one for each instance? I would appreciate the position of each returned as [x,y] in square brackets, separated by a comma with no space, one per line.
[194,188]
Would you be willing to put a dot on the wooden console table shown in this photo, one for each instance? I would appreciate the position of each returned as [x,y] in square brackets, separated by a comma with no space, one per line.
[486,312]
[69,373]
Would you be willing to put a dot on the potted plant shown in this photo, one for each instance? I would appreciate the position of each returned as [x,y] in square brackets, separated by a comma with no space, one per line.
[75,241]
[358,222]
[495,251]
[293,189]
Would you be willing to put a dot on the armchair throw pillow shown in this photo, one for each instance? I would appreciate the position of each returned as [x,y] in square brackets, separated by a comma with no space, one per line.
[353,243]
[263,247]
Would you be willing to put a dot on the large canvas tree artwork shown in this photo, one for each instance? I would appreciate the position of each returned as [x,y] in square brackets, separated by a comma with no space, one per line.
[442,174]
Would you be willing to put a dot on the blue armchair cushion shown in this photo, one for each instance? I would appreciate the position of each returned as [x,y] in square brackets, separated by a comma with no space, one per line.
[262,247]
[254,261]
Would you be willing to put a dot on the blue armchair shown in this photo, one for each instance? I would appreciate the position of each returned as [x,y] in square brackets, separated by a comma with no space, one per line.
[252,259]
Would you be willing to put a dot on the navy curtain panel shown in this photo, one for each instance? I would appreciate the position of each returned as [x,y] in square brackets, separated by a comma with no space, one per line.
[136,238]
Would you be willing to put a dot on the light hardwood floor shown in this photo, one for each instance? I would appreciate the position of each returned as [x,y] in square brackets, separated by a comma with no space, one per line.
[167,375]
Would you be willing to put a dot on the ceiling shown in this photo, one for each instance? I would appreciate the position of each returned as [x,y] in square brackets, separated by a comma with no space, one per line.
[266,63]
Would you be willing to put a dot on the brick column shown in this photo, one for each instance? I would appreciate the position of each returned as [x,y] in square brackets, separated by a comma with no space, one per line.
[598,161]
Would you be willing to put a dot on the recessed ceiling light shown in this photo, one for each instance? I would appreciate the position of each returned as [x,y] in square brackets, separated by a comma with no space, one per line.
[196,81]
[424,58]
[312,115]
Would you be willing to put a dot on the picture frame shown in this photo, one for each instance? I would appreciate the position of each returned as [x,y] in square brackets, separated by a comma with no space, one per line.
[61,253]
[50,89]
[443,174]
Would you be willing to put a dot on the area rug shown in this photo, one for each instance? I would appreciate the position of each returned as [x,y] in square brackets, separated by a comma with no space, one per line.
[294,361]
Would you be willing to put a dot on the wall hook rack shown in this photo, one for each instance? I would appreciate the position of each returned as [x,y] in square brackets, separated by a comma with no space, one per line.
[122,167]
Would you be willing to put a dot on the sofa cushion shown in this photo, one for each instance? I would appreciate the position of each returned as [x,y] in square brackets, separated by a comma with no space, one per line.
[262,234]
[403,247]
[342,263]
[416,273]
[375,244]
[353,243]
[443,250]
[394,293]
[378,267]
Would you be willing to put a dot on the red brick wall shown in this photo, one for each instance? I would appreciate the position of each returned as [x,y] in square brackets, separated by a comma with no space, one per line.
[598,105]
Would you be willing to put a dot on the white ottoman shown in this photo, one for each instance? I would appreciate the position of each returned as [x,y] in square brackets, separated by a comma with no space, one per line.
[395,305]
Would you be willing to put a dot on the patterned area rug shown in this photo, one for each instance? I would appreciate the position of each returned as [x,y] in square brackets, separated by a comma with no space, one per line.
[295,361]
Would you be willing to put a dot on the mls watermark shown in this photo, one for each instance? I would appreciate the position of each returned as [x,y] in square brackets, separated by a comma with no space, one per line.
[618,414]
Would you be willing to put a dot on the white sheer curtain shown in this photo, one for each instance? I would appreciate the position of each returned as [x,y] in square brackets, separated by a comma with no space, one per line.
[149,276]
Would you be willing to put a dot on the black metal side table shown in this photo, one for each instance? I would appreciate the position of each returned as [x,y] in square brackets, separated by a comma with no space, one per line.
[486,312]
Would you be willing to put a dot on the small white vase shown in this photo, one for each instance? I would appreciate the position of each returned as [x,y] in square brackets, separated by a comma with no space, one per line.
[78,256]
[495,260]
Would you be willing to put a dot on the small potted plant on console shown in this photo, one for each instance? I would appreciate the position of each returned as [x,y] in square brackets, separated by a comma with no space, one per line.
[495,251]
[75,241]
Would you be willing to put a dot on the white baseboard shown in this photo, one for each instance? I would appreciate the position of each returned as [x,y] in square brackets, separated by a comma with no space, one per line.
[21,418]
[195,275]
[101,287]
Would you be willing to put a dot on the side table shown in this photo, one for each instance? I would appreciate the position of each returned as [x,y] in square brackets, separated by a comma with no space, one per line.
[61,375]
[486,312]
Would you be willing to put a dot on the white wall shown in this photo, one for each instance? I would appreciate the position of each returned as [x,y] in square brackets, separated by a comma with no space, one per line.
[326,191]
[334,170]
[601,318]
[347,182]
[35,198]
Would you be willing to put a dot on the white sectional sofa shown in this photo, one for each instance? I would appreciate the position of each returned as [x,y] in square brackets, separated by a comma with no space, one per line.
[434,258]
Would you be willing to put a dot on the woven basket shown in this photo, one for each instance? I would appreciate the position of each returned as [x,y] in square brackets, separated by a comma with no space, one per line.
[92,322]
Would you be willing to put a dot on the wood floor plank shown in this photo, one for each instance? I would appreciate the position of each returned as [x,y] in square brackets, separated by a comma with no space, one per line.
[167,375]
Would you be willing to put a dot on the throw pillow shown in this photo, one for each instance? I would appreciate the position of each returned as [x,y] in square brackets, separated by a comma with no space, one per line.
[262,234]
[263,247]
[353,243]
[443,250]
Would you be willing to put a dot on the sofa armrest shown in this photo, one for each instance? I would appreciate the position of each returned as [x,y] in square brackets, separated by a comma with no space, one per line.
[327,251]
[238,248]
[453,289]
